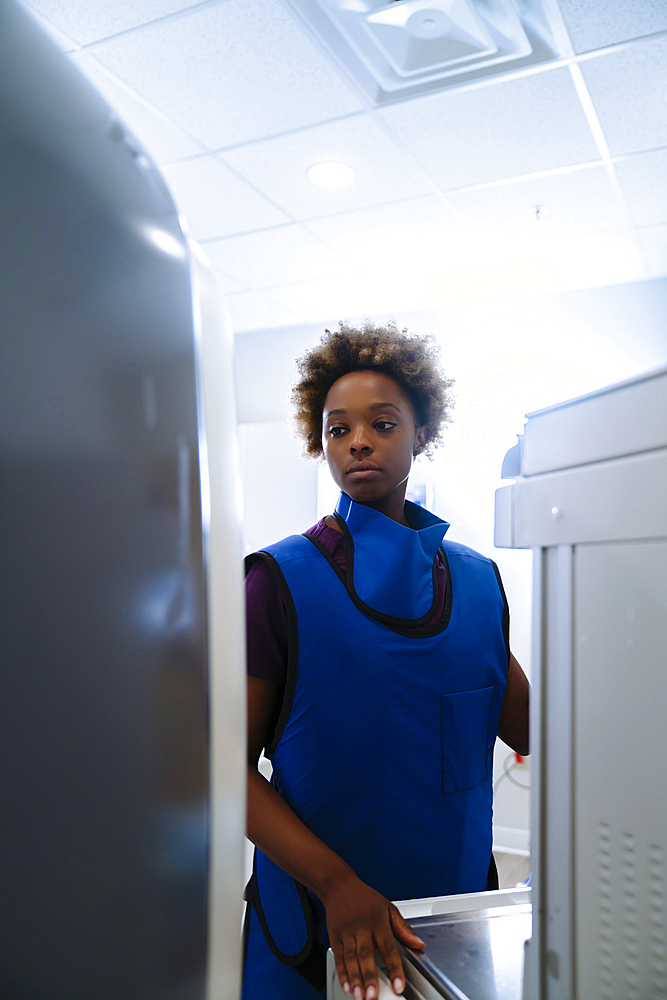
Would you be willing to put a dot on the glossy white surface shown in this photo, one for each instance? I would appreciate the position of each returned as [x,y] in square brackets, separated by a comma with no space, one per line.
[226,632]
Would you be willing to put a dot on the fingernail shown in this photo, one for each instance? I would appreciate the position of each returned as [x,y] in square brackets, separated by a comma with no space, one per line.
[346,987]
[398,985]
[358,993]
[370,993]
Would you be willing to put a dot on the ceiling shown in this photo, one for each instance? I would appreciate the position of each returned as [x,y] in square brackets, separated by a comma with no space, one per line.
[549,178]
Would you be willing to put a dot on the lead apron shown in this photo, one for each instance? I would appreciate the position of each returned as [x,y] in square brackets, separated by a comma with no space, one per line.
[384,744]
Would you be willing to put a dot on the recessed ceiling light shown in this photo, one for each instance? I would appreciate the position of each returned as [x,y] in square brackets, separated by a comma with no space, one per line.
[331,175]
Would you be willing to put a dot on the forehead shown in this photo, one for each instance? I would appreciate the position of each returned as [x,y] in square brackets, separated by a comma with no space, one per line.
[359,390]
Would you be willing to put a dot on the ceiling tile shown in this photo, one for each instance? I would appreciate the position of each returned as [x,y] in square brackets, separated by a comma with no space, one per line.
[488,133]
[231,72]
[252,311]
[644,182]
[273,257]
[479,265]
[88,22]
[579,200]
[163,140]
[593,24]
[62,40]
[653,241]
[227,285]
[215,201]
[331,299]
[628,90]
[279,167]
[388,233]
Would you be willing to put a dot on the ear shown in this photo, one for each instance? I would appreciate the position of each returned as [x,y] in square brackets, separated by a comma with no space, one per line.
[420,441]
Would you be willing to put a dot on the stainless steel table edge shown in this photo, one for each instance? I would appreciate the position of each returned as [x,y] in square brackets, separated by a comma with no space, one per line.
[419,968]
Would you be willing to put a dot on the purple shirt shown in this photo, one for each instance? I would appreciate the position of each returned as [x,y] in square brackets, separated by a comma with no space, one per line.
[266,618]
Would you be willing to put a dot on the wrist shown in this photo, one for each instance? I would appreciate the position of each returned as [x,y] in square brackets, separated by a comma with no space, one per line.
[333,880]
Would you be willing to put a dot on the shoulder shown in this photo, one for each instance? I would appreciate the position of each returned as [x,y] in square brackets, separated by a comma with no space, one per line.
[287,549]
[480,569]
[458,550]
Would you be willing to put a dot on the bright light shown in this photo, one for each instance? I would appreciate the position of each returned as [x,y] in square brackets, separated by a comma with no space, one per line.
[163,240]
[331,175]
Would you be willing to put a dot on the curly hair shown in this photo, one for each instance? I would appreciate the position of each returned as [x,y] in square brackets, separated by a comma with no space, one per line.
[413,362]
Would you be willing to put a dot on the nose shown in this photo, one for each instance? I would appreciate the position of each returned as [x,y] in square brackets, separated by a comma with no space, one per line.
[360,441]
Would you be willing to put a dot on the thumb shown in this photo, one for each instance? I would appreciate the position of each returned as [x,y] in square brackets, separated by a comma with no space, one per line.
[402,929]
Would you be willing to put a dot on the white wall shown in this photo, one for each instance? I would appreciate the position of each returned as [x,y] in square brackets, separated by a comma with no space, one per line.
[279,487]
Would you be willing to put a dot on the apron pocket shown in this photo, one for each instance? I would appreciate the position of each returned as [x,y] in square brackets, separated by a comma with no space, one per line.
[464,725]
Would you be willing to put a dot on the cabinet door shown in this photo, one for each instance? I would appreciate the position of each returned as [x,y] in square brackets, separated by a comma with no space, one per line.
[620,777]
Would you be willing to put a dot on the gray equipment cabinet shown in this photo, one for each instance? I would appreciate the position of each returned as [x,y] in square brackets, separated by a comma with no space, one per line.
[590,500]
[122,711]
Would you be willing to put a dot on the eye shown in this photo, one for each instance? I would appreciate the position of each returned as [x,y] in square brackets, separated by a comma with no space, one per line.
[383,425]
[336,431]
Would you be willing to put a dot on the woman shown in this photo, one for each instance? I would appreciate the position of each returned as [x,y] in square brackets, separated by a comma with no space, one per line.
[379,676]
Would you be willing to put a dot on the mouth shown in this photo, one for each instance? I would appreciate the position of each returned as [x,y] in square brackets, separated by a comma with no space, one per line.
[362,470]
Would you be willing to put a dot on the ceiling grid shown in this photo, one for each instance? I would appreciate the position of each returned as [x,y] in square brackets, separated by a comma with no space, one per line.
[544,178]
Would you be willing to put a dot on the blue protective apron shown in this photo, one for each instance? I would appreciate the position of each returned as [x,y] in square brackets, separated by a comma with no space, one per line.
[384,743]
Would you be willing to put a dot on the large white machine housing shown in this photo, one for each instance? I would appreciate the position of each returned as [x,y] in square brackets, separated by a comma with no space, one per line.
[590,500]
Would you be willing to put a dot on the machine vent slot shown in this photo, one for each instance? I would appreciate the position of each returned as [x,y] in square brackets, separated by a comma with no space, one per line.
[658,933]
[605,910]
[632,917]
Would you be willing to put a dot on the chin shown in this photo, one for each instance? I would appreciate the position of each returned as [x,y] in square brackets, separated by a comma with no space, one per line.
[365,494]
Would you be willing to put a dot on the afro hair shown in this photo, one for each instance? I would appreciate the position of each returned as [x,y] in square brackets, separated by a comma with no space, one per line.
[413,362]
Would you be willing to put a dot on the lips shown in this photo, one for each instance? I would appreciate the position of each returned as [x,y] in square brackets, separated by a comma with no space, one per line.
[362,470]
[363,467]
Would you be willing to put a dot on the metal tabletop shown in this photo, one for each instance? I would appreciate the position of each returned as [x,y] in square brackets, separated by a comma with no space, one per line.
[474,955]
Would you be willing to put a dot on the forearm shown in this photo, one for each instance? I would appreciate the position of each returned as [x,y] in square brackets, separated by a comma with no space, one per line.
[281,835]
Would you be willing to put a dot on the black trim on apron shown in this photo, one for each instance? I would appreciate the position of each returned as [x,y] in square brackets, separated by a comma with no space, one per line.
[506,611]
[292,644]
[311,961]
[411,627]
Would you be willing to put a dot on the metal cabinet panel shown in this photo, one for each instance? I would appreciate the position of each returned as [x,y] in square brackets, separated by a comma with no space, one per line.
[620,775]
[619,420]
[626,498]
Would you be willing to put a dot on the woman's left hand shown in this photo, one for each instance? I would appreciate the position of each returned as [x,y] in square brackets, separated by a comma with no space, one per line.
[359,921]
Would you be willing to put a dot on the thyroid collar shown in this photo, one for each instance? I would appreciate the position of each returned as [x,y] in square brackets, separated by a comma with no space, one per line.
[392,566]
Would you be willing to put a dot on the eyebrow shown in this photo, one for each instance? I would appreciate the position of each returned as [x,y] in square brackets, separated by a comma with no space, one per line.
[373,406]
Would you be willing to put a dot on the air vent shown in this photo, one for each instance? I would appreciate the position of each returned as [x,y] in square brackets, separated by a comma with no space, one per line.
[632,919]
[401,48]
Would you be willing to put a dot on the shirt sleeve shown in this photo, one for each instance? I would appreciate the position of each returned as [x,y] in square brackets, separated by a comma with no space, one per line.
[266,626]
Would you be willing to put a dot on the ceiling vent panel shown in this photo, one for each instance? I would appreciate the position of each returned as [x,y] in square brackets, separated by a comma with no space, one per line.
[402,48]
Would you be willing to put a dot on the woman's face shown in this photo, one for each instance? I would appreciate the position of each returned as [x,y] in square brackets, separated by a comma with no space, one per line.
[369,438]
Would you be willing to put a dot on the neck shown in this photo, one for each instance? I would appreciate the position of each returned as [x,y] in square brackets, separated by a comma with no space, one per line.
[392,506]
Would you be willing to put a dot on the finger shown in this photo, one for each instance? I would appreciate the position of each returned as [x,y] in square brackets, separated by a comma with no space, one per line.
[366,959]
[354,976]
[403,930]
[341,968]
[392,960]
